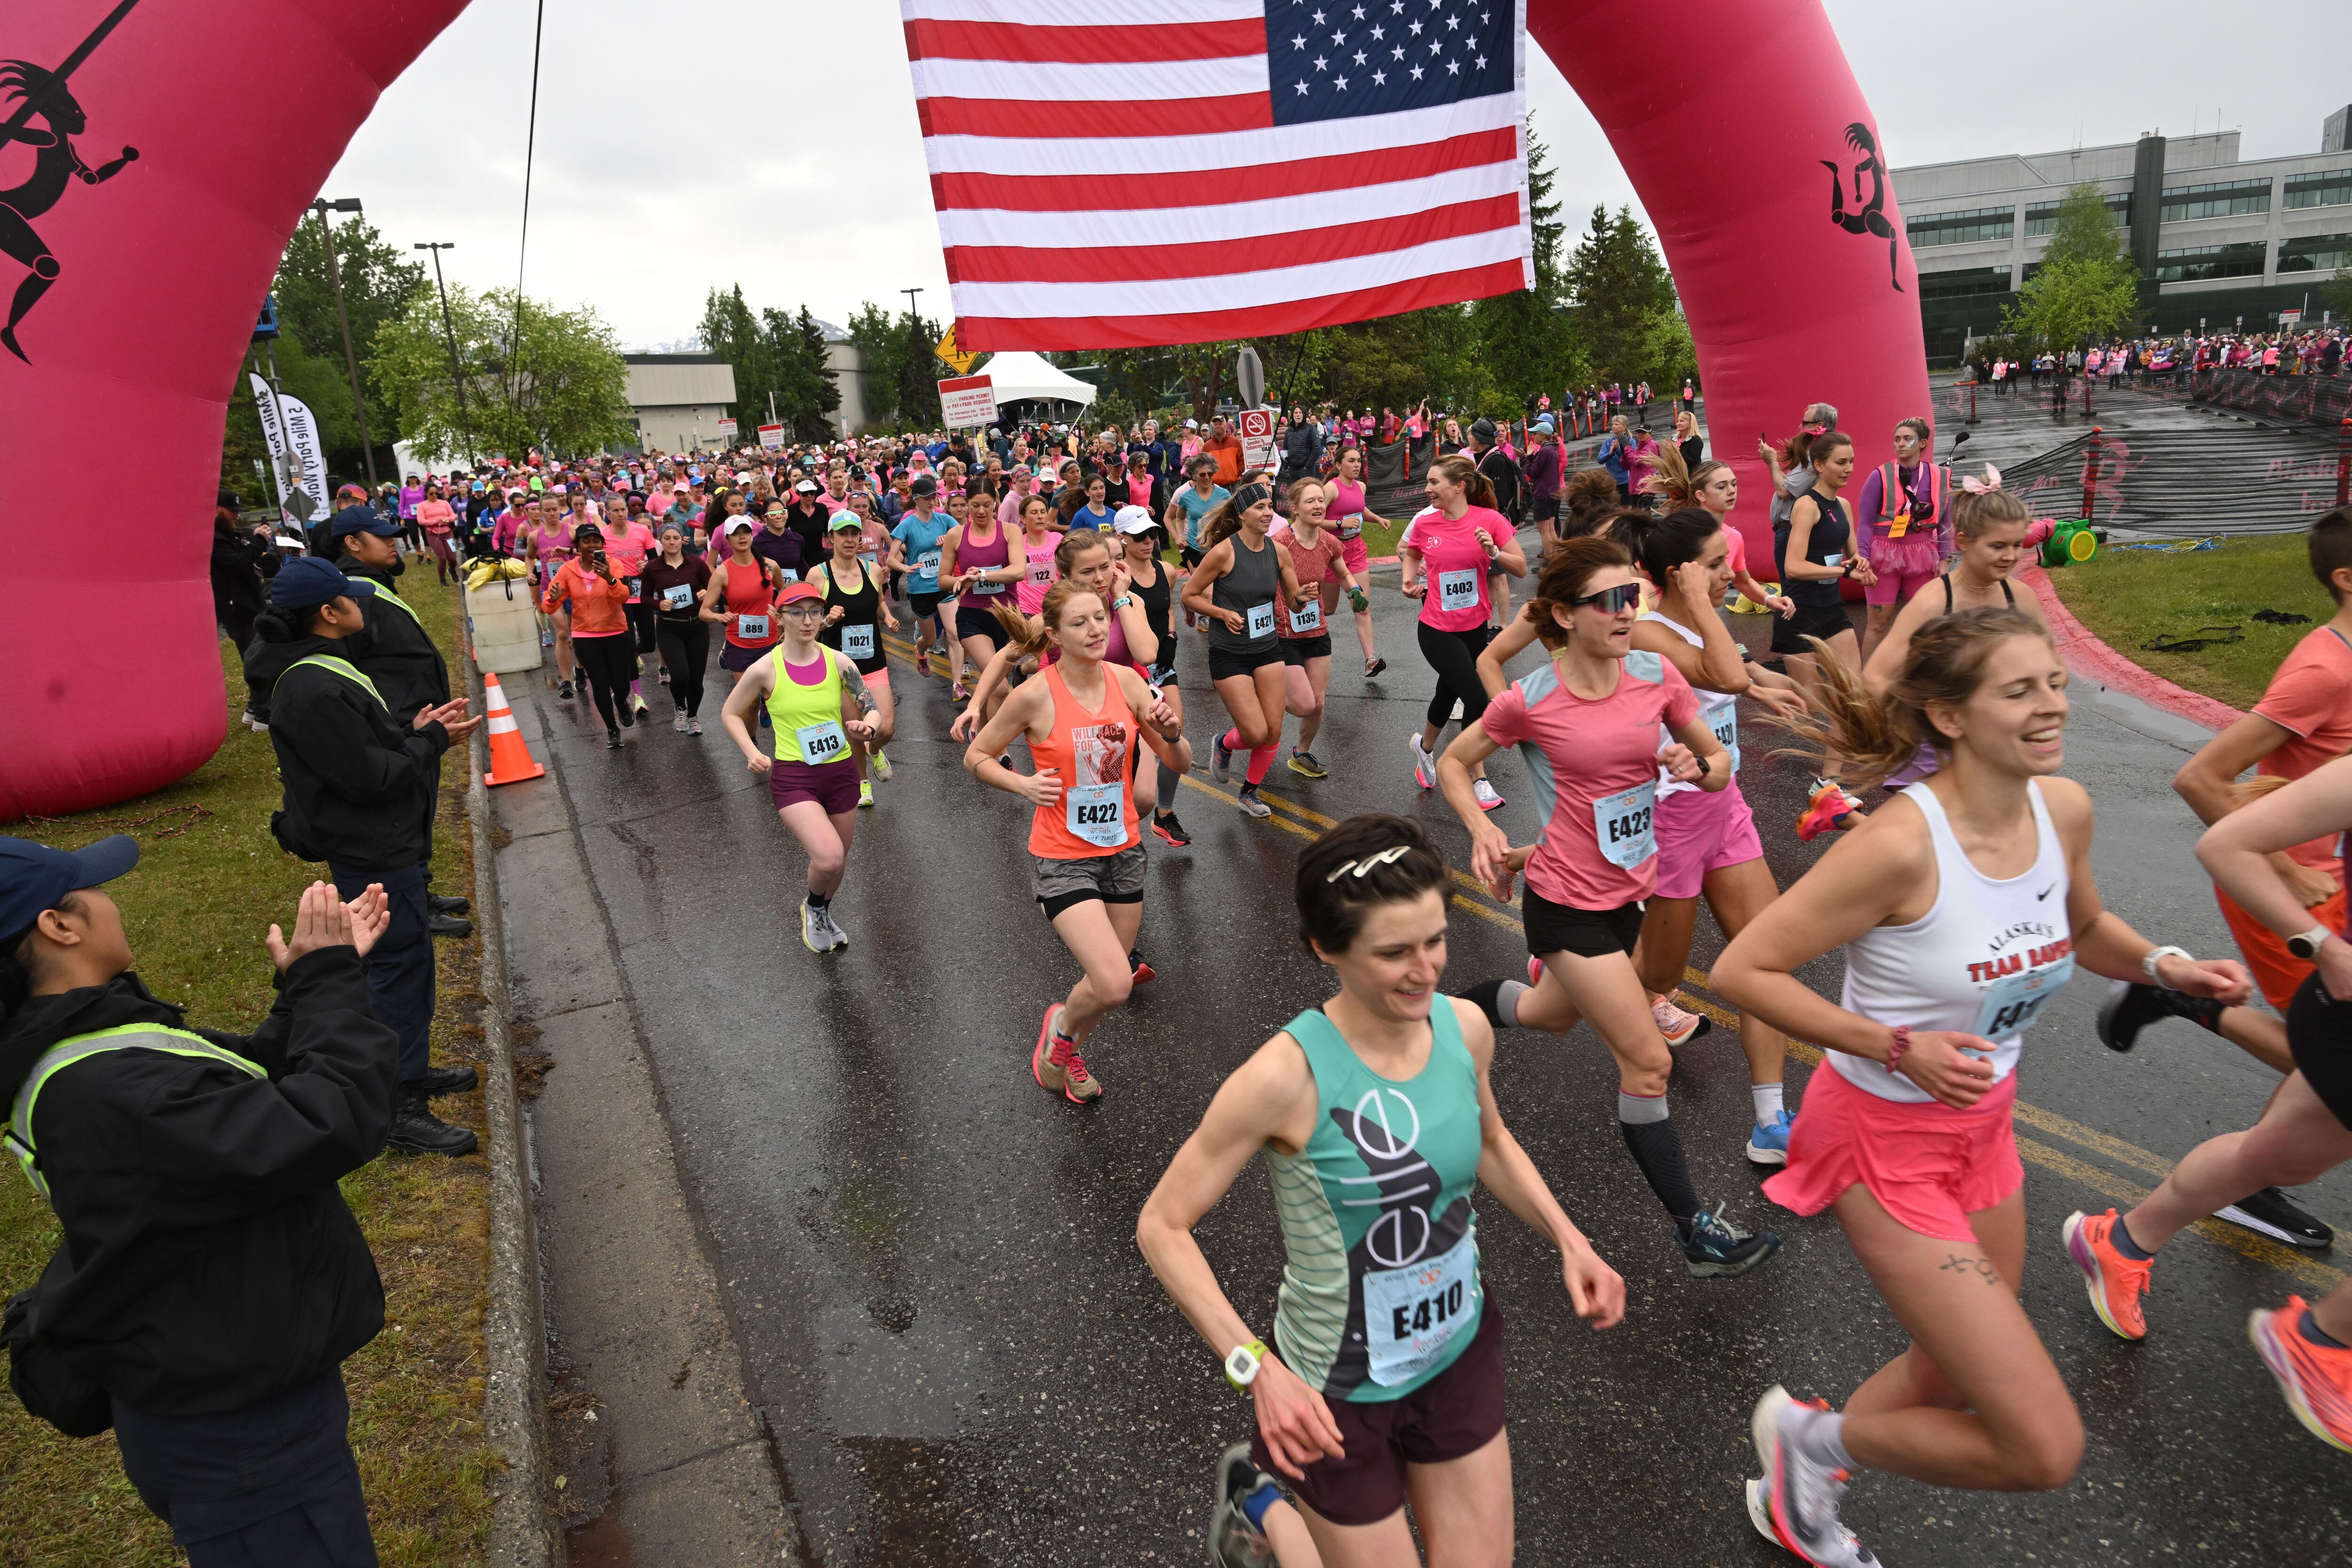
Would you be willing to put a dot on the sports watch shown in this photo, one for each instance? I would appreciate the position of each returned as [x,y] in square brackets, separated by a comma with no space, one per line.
[1242,1363]
[2306,945]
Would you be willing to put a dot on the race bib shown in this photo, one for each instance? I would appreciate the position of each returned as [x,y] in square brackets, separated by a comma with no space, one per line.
[1835,558]
[1352,525]
[926,564]
[2011,1002]
[1097,814]
[633,582]
[1041,572]
[1723,717]
[1458,590]
[1308,621]
[823,743]
[857,642]
[870,557]
[1411,1313]
[750,628]
[788,574]
[982,585]
[677,596]
[1258,621]
[1625,825]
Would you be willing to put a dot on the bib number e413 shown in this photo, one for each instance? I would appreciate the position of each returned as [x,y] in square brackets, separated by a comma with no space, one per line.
[824,742]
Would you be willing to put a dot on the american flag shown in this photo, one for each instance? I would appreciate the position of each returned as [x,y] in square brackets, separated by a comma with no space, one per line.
[1113,174]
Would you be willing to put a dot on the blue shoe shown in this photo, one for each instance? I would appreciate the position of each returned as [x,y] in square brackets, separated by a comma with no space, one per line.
[1221,760]
[1717,1249]
[1768,1141]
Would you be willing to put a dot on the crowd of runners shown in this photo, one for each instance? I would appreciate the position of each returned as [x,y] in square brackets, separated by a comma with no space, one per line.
[1051,579]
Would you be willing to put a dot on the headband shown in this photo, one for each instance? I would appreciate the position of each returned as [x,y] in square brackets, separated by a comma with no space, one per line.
[1364,866]
[1248,496]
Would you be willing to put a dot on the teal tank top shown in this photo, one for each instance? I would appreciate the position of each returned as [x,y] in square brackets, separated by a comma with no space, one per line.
[1380,1289]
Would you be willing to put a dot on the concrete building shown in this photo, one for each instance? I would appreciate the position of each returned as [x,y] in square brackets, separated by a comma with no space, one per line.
[679,399]
[848,367]
[2217,239]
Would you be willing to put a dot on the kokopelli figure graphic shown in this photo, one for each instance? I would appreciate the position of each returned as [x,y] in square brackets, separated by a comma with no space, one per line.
[1870,216]
[41,95]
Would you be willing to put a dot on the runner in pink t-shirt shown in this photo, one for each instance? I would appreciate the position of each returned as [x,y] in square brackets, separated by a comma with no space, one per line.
[1318,561]
[1349,514]
[1448,552]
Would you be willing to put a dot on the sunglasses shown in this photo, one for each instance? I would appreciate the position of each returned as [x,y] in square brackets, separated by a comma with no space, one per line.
[1612,601]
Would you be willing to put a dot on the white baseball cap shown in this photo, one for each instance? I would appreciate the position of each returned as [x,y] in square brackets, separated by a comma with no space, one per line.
[1134,520]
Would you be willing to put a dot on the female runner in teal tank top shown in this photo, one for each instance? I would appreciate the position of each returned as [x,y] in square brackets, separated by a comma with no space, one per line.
[1385,1380]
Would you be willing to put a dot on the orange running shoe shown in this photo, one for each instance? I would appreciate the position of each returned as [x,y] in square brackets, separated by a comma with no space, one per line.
[1827,808]
[2115,1282]
[2316,1379]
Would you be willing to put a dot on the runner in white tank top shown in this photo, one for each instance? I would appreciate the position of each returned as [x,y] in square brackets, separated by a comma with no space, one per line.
[1962,905]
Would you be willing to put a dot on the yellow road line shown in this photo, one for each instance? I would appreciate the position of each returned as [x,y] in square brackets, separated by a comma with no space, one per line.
[2313,1273]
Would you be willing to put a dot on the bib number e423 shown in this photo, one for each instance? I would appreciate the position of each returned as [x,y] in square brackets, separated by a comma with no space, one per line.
[1625,825]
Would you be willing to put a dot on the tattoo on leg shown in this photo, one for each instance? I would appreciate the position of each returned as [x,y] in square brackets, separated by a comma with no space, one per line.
[1980,1266]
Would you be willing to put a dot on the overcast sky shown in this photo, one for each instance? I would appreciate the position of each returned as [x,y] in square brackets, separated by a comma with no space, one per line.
[793,165]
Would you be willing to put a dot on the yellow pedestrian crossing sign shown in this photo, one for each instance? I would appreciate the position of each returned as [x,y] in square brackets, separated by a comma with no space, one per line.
[953,356]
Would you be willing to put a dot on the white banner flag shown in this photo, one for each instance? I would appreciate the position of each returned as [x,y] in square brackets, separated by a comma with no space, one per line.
[296,456]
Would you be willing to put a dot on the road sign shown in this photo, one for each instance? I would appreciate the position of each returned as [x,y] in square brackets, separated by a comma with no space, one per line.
[1257,437]
[954,358]
[1249,377]
[2290,318]
[968,402]
[772,437]
[727,427]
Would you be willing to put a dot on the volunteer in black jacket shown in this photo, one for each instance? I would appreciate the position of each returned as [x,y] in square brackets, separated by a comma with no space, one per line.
[211,1280]
[400,656]
[1503,475]
[359,780]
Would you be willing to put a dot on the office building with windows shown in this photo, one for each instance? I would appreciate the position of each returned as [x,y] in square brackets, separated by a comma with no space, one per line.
[2221,241]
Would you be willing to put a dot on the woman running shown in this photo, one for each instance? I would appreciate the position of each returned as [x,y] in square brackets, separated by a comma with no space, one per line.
[918,547]
[977,561]
[591,587]
[1086,557]
[820,709]
[741,596]
[1081,718]
[2305,1132]
[856,613]
[1814,555]
[674,584]
[1348,512]
[1036,544]
[1317,558]
[1589,724]
[1388,1384]
[1448,552]
[549,545]
[1152,586]
[1714,489]
[1235,588]
[1963,905]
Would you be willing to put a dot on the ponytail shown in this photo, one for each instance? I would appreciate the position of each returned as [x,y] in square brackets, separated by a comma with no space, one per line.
[1876,735]
[1026,635]
[1475,485]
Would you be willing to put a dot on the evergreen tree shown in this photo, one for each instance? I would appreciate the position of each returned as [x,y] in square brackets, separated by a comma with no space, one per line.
[1526,341]
[1625,298]
[731,330]
[919,386]
[816,422]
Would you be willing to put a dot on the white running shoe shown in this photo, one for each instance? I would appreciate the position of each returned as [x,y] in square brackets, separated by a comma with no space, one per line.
[1221,760]
[1425,766]
[881,765]
[812,932]
[1485,795]
[1802,1497]
[829,931]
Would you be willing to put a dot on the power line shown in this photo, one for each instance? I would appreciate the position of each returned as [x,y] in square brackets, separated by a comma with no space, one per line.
[522,245]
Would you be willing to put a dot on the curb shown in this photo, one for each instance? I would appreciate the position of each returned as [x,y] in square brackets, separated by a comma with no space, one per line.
[2088,656]
[514,1329]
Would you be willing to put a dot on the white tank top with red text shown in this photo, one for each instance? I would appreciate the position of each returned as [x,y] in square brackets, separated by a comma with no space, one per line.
[1983,960]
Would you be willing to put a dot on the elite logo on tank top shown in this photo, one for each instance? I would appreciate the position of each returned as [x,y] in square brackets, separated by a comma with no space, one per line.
[1413,1303]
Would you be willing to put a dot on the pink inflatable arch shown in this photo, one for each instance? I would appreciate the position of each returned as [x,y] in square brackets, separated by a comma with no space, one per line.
[133,300]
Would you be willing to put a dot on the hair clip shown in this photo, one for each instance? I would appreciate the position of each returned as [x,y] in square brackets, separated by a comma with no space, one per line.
[1364,866]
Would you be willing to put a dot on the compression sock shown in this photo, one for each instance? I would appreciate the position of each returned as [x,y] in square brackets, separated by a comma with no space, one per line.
[1254,1506]
[1498,999]
[2309,1327]
[2205,1012]
[1167,787]
[2122,1237]
[1769,1101]
[1657,1149]
[1260,760]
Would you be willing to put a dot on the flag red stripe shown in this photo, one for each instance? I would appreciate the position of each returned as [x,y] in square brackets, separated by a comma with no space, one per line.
[1124,264]
[929,39]
[977,333]
[1018,117]
[1222,188]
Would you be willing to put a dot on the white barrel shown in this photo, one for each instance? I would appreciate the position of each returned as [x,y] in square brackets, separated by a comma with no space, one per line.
[504,624]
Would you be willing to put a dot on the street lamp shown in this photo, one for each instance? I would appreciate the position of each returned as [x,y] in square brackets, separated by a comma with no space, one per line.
[457,374]
[322,206]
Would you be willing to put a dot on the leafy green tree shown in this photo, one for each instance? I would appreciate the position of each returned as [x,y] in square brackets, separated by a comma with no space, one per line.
[1528,343]
[2085,289]
[807,390]
[563,388]
[880,345]
[380,283]
[731,330]
[1625,297]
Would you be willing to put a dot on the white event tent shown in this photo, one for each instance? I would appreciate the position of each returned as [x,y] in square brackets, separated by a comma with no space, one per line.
[1019,376]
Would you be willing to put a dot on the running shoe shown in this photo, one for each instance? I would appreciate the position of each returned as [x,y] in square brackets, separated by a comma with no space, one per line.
[1535,972]
[865,792]
[628,716]
[1232,1543]
[1485,793]
[1138,968]
[2316,1379]
[677,721]
[1221,760]
[1801,1496]
[812,932]
[1307,764]
[1054,1063]
[563,689]
[546,639]
[1718,1250]
[2269,1213]
[612,738]
[829,930]
[1372,670]
[2115,1282]
[2131,1007]
[637,701]
[1250,804]
[959,693]
[694,726]
[1679,1028]
[881,765]
[1425,766]
[1168,829]
[922,661]
[1768,1141]
[1827,808]
[940,648]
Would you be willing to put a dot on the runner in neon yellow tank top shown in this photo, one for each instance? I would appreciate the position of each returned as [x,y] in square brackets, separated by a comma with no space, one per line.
[818,705]
[1376,1116]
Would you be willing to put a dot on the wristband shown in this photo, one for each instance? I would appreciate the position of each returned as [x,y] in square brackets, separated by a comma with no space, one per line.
[2155,955]
[1901,1043]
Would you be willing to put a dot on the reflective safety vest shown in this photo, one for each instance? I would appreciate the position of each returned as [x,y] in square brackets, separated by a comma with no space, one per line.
[341,666]
[18,1134]
[382,593]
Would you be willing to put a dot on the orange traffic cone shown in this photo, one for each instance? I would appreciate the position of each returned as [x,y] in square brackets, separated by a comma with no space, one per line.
[510,757]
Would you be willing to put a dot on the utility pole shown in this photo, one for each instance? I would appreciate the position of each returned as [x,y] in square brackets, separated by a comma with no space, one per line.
[912,315]
[322,206]
[457,372]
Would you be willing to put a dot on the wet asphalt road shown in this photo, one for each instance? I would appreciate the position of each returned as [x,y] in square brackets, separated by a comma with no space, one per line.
[929,1263]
